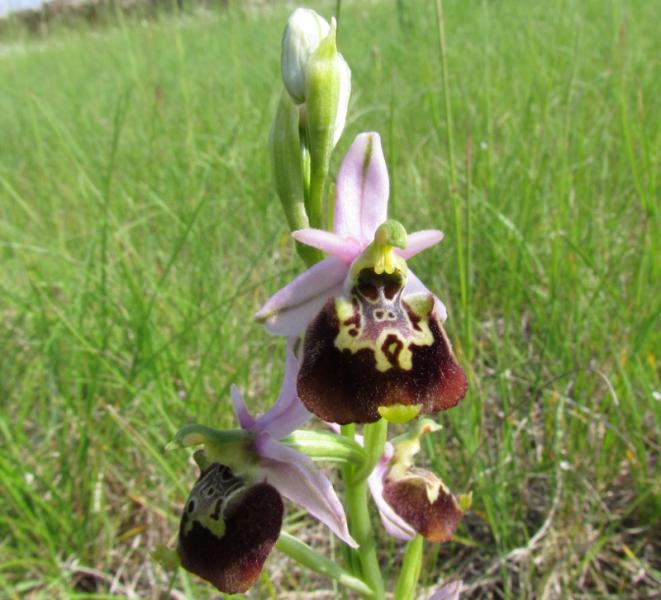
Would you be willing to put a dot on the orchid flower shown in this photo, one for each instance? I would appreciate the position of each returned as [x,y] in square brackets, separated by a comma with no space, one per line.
[234,512]
[439,510]
[374,339]
[392,522]
[411,500]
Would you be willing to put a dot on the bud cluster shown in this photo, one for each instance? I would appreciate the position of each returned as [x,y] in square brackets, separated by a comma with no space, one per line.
[310,118]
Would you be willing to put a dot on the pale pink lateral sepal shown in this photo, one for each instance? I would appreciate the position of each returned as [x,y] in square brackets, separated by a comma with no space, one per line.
[240,411]
[392,522]
[288,412]
[294,475]
[291,309]
[363,187]
[419,241]
[330,243]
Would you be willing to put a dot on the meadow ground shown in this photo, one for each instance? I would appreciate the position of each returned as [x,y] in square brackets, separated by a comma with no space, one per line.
[139,231]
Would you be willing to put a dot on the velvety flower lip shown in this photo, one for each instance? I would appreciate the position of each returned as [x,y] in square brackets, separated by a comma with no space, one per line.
[228,528]
[361,206]
[435,520]
[377,350]
[416,496]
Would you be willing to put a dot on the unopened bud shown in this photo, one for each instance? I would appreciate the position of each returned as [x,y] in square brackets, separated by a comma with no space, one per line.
[305,30]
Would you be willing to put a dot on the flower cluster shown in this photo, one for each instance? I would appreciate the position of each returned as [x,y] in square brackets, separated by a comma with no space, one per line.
[365,345]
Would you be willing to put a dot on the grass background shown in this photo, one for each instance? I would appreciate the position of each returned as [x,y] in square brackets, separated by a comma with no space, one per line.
[139,231]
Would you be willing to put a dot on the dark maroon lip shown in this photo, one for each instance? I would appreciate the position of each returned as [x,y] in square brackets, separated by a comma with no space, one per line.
[436,521]
[252,516]
[345,386]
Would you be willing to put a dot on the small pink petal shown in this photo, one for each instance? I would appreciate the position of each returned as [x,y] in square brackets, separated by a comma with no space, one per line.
[415,286]
[334,427]
[290,310]
[294,475]
[419,241]
[288,413]
[330,243]
[363,187]
[240,411]
[448,591]
[392,522]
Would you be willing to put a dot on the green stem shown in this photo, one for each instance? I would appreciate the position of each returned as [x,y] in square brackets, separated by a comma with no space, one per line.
[317,188]
[356,498]
[311,256]
[408,577]
[376,435]
[303,554]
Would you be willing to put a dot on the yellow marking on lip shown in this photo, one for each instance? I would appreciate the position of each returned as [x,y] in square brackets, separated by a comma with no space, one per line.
[422,336]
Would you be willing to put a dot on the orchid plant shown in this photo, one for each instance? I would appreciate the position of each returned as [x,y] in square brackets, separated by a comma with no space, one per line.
[365,346]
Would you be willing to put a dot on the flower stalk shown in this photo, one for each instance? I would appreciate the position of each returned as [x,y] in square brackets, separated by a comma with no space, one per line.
[356,499]
[410,573]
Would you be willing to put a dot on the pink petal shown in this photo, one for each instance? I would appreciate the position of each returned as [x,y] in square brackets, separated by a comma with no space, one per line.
[392,522]
[344,249]
[419,241]
[335,427]
[448,591]
[294,475]
[240,411]
[362,190]
[288,413]
[290,310]
[415,286]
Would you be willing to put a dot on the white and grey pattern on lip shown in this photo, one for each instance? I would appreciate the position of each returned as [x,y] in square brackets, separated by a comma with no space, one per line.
[213,493]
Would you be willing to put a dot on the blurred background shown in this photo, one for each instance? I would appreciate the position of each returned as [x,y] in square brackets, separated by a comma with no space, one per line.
[139,232]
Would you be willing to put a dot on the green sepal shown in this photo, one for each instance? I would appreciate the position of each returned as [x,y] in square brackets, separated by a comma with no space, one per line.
[194,435]
[167,558]
[326,446]
[231,447]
